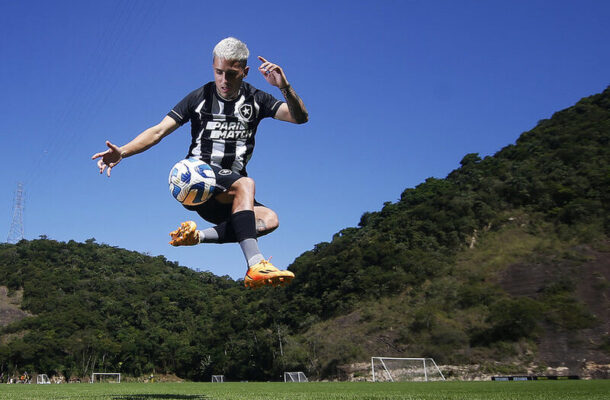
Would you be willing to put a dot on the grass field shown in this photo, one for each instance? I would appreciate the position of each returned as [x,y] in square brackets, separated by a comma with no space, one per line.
[549,390]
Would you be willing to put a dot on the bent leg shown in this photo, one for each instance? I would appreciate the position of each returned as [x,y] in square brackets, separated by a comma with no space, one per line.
[266,222]
[241,196]
[243,218]
[246,222]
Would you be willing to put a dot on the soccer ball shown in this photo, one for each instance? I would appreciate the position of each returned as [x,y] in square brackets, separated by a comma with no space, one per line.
[191,182]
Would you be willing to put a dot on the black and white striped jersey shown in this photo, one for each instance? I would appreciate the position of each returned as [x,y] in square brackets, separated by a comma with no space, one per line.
[223,131]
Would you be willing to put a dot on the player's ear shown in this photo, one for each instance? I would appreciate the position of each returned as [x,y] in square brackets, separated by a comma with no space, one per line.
[246,69]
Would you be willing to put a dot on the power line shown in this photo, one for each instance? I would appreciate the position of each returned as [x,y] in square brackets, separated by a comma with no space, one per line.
[113,52]
[15,233]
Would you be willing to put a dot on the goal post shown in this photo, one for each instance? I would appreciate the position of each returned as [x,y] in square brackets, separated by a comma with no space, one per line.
[218,378]
[111,377]
[397,369]
[296,376]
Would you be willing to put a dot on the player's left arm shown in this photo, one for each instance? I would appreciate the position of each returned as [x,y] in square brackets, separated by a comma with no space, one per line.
[293,110]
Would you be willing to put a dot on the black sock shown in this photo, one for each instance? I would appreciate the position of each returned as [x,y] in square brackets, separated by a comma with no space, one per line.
[225,233]
[244,226]
[240,226]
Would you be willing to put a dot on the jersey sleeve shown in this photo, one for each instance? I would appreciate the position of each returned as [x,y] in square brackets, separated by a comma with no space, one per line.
[183,111]
[269,104]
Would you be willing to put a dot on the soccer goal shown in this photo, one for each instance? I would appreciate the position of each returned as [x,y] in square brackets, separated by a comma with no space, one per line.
[42,379]
[395,369]
[106,377]
[297,376]
[218,378]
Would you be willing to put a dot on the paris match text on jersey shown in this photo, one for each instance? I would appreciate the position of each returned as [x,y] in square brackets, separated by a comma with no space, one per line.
[222,131]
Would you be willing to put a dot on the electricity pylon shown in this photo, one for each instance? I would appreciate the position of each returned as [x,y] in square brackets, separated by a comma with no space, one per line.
[15,234]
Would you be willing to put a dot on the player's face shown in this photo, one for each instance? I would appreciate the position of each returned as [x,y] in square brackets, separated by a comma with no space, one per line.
[228,76]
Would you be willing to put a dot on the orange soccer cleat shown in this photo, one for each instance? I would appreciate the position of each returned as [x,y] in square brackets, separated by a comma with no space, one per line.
[264,273]
[186,235]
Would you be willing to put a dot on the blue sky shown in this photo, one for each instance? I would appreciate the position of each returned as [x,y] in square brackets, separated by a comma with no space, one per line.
[397,91]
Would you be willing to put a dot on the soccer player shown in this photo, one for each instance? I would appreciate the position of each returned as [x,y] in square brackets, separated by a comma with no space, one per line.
[224,116]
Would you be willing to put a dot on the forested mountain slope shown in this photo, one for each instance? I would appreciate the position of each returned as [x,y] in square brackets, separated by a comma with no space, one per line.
[506,260]
[503,261]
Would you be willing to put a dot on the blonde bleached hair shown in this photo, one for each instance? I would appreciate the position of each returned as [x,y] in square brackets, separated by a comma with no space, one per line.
[232,49]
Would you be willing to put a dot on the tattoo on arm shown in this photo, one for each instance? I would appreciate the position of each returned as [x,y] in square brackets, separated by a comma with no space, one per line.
[295,105]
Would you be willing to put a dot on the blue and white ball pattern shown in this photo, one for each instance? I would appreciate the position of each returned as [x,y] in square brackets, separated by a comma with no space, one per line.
[192,181]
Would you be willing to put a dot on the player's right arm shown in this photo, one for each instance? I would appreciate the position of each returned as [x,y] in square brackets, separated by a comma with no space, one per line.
[145,140]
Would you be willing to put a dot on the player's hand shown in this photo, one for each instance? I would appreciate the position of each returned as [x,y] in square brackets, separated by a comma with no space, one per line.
[109,158]
[273,73]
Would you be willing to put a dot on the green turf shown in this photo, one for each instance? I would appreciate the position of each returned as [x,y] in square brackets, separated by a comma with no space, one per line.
[549,390]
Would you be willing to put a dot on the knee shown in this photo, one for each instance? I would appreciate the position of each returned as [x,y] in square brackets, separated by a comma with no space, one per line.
[243,188]
[243,185]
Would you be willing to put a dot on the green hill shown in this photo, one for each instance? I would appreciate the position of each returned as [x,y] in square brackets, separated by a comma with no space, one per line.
[506,260]
[504,263]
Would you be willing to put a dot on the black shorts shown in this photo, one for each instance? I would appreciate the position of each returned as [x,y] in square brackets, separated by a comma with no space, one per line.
[212,210]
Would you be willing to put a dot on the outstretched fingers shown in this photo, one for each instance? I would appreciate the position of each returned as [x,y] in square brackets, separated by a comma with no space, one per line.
[108,159]
[101,165]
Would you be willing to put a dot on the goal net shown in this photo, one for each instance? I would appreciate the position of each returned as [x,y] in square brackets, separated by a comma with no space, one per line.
[43,379]
[394,369]
[106,377]
[218,378]
[297,376]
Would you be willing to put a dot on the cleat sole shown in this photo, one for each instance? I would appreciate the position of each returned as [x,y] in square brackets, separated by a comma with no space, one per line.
[274,282]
